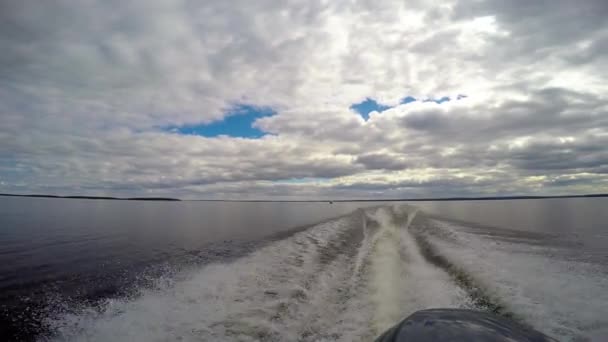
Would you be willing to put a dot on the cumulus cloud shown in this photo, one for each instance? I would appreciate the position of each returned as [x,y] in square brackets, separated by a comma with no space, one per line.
[86,88]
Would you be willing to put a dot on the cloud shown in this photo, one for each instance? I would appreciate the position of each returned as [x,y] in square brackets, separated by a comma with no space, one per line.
[84,88]
[382,161]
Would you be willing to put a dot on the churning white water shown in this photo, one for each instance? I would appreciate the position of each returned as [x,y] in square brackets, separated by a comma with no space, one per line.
[349,279]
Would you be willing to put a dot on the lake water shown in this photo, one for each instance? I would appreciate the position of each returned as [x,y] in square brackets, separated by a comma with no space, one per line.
[98,270]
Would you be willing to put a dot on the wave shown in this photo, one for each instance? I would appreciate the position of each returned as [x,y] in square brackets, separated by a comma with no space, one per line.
[530,277]
[346,279]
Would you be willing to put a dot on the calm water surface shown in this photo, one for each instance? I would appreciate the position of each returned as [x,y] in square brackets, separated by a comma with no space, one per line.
[61,260]
[584,220]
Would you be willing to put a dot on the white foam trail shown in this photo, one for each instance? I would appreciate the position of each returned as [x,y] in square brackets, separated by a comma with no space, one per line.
[402,280]
[343,280]
[429,286]
[285,291]
[563,298]
[387,273]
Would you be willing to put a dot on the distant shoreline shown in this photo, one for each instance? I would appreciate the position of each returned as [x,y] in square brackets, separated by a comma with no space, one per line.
[486,198]
[96,197]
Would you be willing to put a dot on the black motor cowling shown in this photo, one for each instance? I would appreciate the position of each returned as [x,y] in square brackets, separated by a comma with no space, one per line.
[439,325]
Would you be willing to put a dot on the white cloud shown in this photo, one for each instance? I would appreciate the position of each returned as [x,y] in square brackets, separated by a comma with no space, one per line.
[85,88]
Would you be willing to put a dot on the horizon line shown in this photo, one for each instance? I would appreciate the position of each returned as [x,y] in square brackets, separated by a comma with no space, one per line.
[423,199]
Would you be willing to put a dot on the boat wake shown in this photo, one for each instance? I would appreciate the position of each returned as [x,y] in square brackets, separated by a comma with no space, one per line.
[347,279]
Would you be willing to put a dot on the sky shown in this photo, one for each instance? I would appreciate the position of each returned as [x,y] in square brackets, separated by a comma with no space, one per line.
[289,99]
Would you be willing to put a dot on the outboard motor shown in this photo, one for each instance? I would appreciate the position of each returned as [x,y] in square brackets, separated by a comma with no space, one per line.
[439,325]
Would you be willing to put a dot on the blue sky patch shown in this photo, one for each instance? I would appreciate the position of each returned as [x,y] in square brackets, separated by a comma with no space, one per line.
[407,99]
[238,122]
[439,100]
[368,106]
